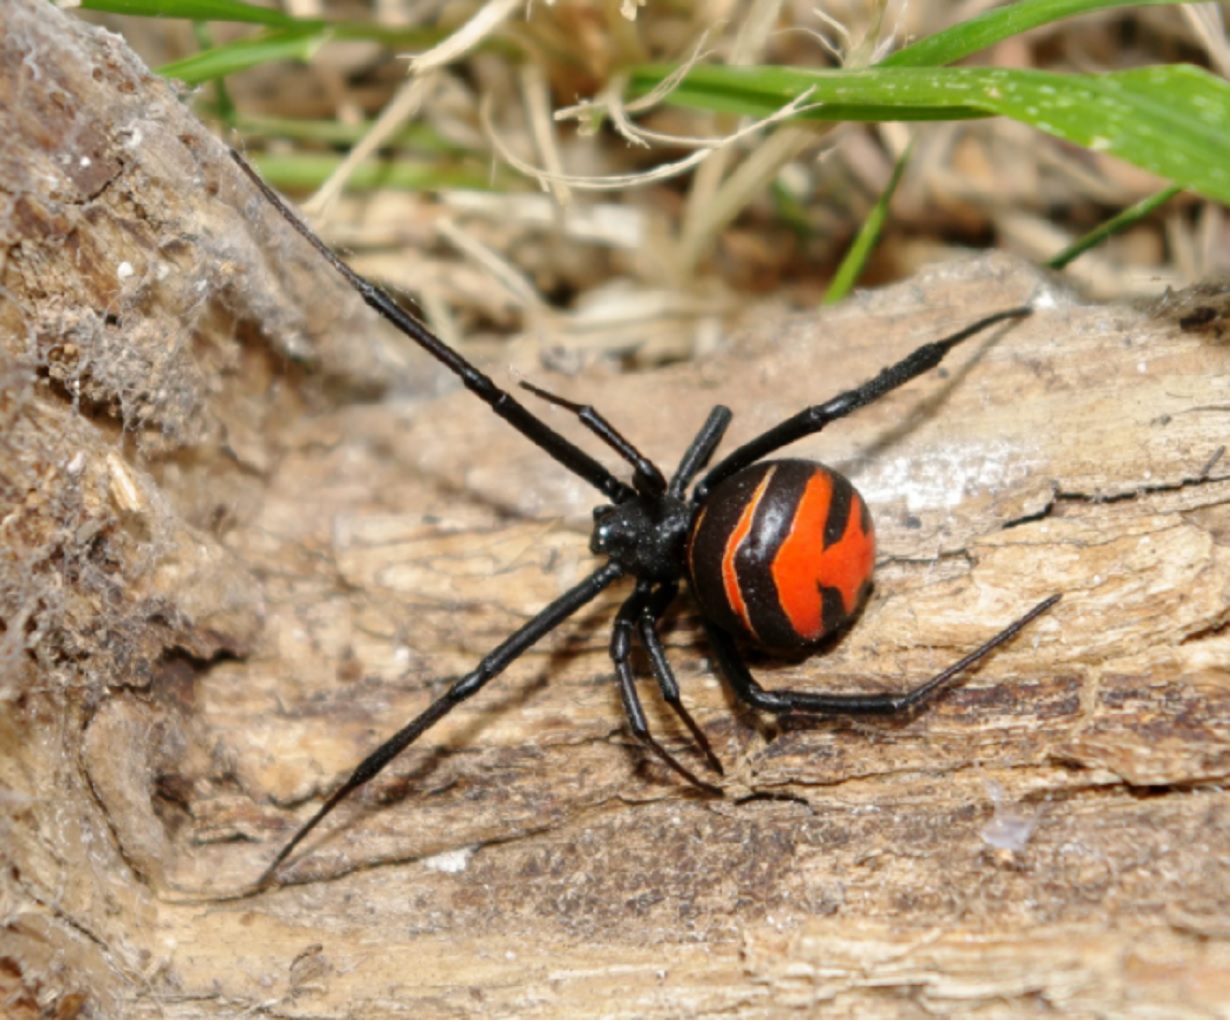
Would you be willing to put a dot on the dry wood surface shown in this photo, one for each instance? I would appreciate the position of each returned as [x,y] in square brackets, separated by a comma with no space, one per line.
[246,534]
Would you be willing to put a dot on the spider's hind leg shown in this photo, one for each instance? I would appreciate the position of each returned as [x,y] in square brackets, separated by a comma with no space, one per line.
[740,678]
[637,608]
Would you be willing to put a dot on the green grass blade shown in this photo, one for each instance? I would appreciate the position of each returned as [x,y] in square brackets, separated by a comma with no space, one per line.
[872,95]
[993,26]
[236,10]
[1172,120]
[856,258]
[294,44]
[304,172]
[194,10]
[421,137]
[1133,214]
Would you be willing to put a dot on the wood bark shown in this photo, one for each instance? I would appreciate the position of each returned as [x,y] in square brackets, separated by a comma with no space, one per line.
[228,571]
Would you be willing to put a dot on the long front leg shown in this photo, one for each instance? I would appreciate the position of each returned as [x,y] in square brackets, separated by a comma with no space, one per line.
[500,401]
[813,419]
[490,667]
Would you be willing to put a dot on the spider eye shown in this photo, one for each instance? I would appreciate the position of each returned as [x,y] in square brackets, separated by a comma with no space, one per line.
[605,537]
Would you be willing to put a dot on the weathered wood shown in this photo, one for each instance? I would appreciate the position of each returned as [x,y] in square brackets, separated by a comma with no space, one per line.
[226,576]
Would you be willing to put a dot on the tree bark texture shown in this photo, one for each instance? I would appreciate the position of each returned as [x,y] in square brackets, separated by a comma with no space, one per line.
[230,567]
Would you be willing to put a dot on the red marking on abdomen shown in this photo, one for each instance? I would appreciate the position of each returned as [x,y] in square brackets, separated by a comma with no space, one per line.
[801,569]
[730,575]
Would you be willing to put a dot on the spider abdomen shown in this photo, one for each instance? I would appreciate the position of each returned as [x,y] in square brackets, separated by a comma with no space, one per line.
[782,552]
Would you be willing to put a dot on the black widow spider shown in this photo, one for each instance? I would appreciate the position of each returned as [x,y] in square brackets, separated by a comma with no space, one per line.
[776,552]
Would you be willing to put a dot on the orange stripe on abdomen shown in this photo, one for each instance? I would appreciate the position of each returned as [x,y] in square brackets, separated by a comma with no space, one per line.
[730,574]
[803,565]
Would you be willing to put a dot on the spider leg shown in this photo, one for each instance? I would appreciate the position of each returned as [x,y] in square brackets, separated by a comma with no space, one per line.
[482,386]
[781,702]
[700,450]
[589,416]
[646,625]
[621,655]
[813,419]
[494,663]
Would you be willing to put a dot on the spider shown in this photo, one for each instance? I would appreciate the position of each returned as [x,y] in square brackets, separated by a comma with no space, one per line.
[779,553]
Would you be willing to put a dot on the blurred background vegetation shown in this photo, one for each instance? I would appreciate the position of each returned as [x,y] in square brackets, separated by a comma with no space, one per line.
[627,180]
